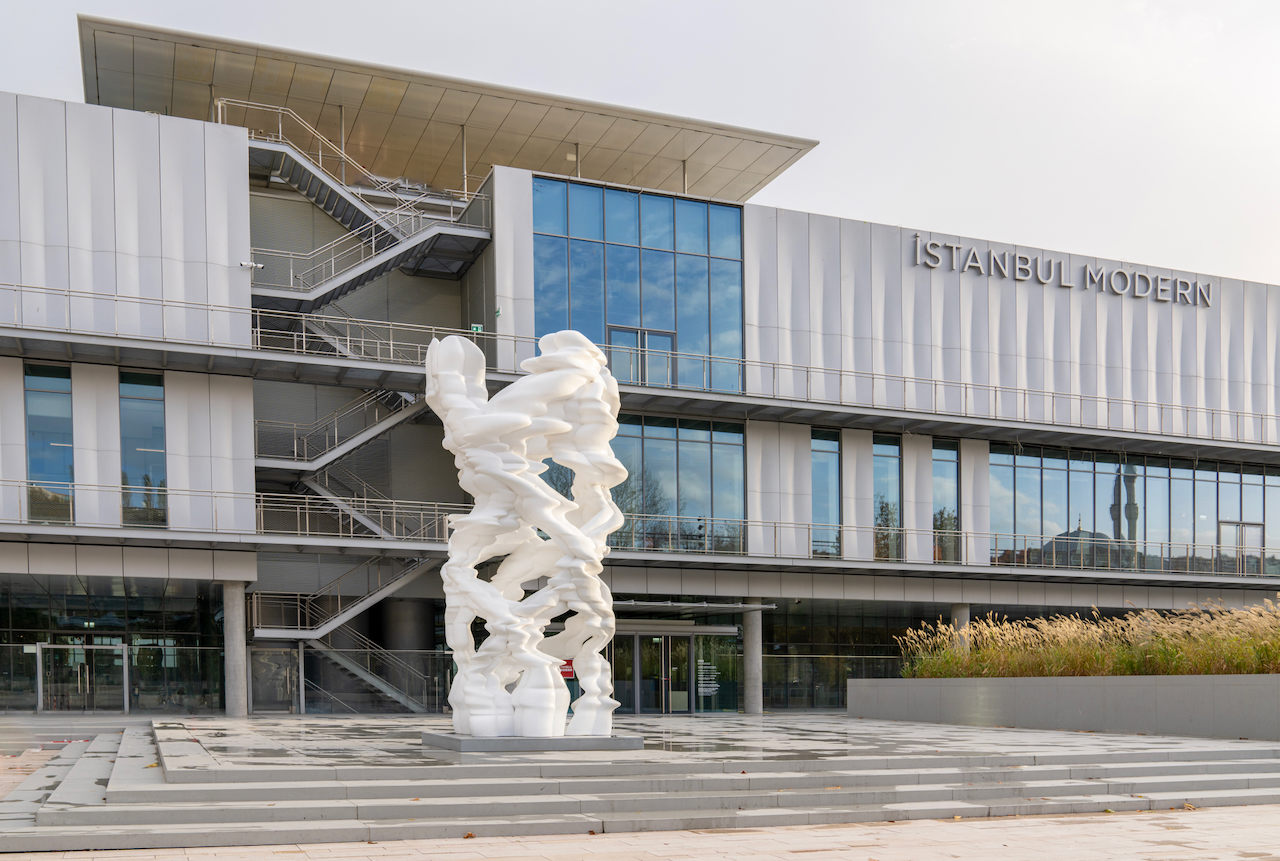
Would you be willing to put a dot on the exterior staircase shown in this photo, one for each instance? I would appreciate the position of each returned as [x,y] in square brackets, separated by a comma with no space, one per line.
[312,447]
[414,235]
[157,787]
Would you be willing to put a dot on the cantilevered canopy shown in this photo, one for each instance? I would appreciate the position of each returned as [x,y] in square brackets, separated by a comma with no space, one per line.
[407,124]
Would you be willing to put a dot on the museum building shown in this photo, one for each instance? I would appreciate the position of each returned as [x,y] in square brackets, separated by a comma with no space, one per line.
[221,488]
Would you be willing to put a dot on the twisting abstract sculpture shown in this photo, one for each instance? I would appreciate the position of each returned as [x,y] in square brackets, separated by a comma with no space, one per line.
[565,409]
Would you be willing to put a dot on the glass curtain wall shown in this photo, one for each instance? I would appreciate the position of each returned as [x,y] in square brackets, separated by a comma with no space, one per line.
[685,488]
[646,275]
[50,451]
[1074,508]
[946,501]
[887,477]
[142,449]
[825,489]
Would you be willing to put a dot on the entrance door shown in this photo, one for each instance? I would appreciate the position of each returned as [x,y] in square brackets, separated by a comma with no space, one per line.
[82,678]
[652,672]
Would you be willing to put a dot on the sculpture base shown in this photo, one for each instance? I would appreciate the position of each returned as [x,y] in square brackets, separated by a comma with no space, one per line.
[457,743]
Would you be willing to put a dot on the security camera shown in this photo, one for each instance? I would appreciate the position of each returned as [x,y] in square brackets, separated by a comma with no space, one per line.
[249,264]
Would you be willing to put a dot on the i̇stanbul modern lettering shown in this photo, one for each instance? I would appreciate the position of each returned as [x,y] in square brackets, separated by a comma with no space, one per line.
[1052,270]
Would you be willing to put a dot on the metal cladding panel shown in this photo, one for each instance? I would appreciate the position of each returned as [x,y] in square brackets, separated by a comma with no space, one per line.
[794,467]
[512,299]
[226,222]
[975,497]
[885,295]
[1045,337]
[790,324]
[13,438]
[857,488]
[761,444]
[42,203]
[95,408]
[187,440]
[759,295]
[825,306]
[917,496]
[231,448]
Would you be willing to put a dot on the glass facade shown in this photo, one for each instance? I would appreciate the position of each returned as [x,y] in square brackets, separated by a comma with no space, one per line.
[142,449]
[887,479]
[50,452]
[685,488]
[170,630]
[644,274]
[825,489]
[946,500]
[1115,510]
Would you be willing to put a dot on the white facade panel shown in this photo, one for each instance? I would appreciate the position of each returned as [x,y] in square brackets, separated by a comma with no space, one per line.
[934,323]
[95,425]
[13,441]
[512,262]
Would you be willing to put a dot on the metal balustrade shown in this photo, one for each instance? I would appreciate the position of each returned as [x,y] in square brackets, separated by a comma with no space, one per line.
[405,344]
[310,515]
[311,440]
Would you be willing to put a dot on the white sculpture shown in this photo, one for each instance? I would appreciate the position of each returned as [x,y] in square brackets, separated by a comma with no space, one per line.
[565,409]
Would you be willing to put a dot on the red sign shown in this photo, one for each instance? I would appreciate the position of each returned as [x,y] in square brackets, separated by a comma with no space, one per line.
[566,669]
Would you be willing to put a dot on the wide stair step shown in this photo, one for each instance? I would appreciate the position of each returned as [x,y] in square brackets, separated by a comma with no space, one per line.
[159,788]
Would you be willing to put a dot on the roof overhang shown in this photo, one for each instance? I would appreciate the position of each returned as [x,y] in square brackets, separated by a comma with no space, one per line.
[400,123]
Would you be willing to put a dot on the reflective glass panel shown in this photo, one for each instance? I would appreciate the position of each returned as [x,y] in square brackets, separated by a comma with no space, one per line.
[825,490]
[657,227]
[586,289]
[142,449]
[50,452]
[693,322]
[658,290]
[549,208]
[550,284]
[691,226]
[726,231]
[621,216]
[622,270]
[586,211]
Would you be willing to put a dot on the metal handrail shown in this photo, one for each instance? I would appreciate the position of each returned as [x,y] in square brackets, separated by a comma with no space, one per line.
[309,684]
[314,439]
[366,644]
[381,341]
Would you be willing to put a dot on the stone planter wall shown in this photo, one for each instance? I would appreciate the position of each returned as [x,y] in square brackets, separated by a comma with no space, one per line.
[1239,706]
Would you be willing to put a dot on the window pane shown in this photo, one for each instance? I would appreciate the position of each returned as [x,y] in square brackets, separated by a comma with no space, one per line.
[657,359]
[727,484]
[658,285]
[726,308]
[50,456]
[656,222]
[726,231]
[586,212]
[693,323]
[1055,502]
[142,450]
[548,206]
[624,355]
[621,216]
[691,226]
[586,288]
[695,479]
[622,269]
[550,284]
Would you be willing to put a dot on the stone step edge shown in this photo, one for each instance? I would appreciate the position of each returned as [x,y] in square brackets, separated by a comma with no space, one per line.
[624,767]
[119,792]
[434,809]
[79,785]
[277,833]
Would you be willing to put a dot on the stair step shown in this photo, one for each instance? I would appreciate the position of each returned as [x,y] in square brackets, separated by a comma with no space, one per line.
[20,805]
[86,782]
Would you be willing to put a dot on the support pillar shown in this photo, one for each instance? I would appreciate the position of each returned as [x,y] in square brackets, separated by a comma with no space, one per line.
[960,621]
[234,649]
[753,659]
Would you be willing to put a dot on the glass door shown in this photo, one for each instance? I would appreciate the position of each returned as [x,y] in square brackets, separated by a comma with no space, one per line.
[81,678]
[652,673]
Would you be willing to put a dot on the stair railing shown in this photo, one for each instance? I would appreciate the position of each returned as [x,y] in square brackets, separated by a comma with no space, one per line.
[302,611]
[298,441]
[373,657]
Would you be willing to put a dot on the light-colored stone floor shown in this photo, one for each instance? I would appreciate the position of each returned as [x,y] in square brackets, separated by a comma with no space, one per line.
[1224,832]
[217,743]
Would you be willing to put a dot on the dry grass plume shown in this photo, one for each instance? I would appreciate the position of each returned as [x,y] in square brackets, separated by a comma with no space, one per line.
[1201,640]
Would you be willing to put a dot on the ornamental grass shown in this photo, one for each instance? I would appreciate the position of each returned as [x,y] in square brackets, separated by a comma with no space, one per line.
[1200,640]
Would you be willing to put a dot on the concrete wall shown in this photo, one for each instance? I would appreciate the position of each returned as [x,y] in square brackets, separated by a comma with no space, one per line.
[1239,706]
[122,222]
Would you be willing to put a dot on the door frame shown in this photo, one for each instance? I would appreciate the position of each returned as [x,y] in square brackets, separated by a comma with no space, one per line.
[120,648]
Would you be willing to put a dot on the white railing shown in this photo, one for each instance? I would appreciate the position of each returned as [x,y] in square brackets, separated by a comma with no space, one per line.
[79,312]
[308,441]
[69,505]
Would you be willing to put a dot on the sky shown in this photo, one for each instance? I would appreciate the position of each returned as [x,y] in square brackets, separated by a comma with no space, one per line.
[1146,132]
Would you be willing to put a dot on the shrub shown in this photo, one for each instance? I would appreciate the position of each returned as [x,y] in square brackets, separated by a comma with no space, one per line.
[1201,640]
